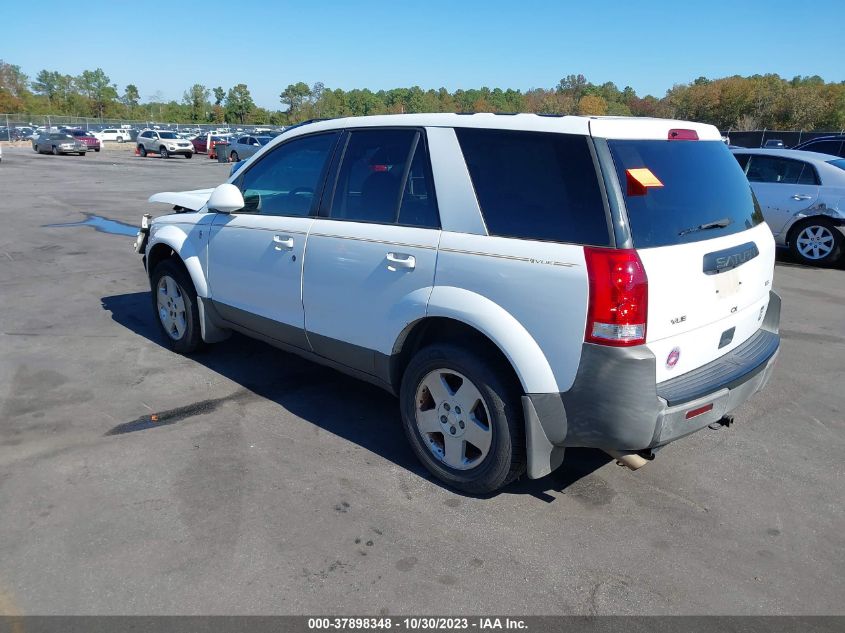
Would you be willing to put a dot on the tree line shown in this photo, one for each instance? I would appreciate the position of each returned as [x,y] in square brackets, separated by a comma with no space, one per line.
[738,103]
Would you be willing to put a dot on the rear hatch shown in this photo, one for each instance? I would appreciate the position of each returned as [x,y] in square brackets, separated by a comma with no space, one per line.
[700,235]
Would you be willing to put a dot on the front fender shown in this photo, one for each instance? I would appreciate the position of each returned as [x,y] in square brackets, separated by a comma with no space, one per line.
[176,237]
[528,360]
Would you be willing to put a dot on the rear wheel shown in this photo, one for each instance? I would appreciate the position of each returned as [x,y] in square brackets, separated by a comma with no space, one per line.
[175,304]
[816,241]
[163,152]
[119,139]
[142,150]
[463,418]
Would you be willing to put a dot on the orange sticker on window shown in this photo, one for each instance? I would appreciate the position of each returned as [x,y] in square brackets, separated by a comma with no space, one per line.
[640,180]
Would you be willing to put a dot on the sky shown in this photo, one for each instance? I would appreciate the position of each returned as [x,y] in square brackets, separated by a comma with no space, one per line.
[164,47]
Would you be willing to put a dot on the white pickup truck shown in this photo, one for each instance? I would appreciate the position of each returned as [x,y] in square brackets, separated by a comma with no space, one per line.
[522,283]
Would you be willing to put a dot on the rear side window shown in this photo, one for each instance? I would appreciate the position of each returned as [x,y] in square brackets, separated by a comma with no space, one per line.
[536,186]
[774,169]
[682,191]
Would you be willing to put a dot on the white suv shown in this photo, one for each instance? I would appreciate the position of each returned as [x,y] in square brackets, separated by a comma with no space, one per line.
[164,143]
[522,283]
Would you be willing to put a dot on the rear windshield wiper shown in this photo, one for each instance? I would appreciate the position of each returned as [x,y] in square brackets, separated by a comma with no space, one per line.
[717,224]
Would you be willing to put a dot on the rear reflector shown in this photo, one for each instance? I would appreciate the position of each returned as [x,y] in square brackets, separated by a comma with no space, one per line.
[618,306]
[683,135]
[696,412]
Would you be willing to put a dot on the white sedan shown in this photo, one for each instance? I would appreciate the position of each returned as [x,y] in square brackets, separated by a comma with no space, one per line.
[802,197]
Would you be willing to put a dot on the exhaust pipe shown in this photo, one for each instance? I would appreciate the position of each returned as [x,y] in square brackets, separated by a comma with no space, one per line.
[634,461]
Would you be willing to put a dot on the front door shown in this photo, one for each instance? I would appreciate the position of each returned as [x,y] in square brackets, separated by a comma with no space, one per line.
[783,187]
[255,255]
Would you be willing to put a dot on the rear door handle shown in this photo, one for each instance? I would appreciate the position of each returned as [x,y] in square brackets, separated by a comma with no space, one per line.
[400,260]
[282,242]
[801,196]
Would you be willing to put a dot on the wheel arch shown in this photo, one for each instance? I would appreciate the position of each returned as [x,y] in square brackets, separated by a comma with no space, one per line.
[460,316]
[170,242]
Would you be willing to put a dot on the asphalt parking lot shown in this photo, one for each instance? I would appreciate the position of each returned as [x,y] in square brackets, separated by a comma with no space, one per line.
[272,485]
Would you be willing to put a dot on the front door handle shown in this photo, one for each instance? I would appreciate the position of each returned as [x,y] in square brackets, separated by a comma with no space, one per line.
[801,196]
[282,242]
[400,260]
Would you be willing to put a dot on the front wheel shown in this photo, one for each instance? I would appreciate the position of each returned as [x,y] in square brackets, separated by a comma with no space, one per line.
[817,242]
[175,304]
[463,419]
[55,151]
[163,152]
[188,155]
[35,149]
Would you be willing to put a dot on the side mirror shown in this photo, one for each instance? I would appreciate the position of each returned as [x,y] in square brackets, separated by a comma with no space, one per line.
[256,144]
[226,198]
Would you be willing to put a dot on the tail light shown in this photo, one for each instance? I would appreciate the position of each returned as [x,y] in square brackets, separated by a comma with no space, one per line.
[678,134]
[618,308]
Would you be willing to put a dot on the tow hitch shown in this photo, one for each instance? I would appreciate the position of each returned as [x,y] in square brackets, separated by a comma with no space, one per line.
[726,420]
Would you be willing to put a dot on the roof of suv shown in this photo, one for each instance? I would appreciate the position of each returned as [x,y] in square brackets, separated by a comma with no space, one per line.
[604,127]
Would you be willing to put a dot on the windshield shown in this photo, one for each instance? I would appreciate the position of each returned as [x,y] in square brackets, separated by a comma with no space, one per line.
[683,191]
[168,135]
[837,163]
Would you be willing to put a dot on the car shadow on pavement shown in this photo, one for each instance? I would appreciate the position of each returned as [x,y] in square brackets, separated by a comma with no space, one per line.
[354,410]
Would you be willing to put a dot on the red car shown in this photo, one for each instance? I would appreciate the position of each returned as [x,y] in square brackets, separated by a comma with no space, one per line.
[92,142]
[204,144]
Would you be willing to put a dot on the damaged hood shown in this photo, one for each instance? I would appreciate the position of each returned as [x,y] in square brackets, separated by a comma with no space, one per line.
[191,200]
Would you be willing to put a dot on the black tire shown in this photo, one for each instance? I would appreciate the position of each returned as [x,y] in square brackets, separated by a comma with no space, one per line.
[97,150]
[82,153]
[188,155]
[55,151]
[162,151]
[35,149]
[824,227]
[191,339]
[142,151]
[505,460]
[233,157]
[119,139]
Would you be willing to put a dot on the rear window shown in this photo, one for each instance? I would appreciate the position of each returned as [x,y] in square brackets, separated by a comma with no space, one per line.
[536,186]
[837,163]
[699,191]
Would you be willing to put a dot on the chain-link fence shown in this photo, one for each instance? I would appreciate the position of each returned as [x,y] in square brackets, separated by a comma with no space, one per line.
[19,127]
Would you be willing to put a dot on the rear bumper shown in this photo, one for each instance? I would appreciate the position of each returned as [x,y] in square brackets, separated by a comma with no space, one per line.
[614,402]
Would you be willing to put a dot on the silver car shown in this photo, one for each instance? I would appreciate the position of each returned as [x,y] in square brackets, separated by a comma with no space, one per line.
[58,143]
[802,196]
[243,147]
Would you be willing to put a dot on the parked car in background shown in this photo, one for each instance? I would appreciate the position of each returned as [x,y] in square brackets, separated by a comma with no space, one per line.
[114,134]
[774,143]
[245,146]
[58,143]
[204,143]
[522,283]
[163,143]
[91,141]
[834,144]
[802,196]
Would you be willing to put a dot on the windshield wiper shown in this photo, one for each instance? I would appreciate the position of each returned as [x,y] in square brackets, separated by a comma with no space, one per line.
[717,224]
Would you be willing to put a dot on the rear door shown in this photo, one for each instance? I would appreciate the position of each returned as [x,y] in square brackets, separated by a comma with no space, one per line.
[783,186]
[370,262]
[707,253]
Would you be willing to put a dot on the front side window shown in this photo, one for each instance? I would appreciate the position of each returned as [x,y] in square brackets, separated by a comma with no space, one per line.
[536,186]
[288,179]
